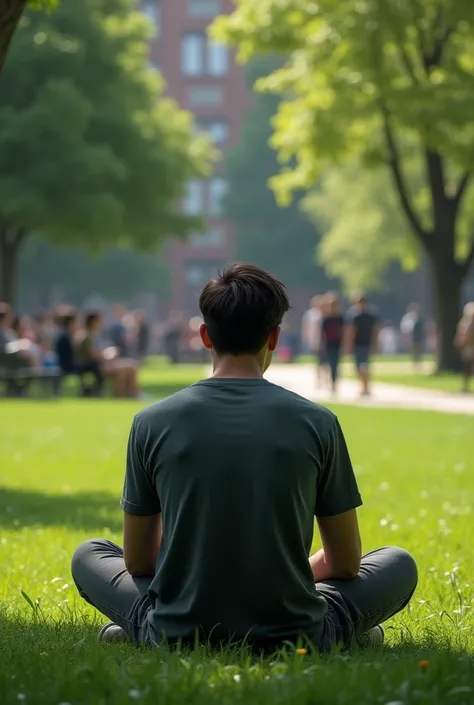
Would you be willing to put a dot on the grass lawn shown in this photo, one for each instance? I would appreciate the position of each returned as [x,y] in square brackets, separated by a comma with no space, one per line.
[61,472]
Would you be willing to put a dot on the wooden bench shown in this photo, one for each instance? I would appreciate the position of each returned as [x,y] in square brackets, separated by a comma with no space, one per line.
[18,380]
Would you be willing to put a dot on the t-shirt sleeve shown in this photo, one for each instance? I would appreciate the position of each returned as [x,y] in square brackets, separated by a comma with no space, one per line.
[139,495]
[337,490]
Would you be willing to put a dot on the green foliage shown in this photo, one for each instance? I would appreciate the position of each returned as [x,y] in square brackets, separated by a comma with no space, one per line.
[90,151]
[344,58]
[363,80]
[281,240]
[364,230]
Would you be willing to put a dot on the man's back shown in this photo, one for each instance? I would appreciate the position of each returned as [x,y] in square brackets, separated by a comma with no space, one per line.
[239,468]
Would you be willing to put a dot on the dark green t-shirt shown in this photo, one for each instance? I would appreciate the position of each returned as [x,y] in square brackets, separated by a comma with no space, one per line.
[238,468]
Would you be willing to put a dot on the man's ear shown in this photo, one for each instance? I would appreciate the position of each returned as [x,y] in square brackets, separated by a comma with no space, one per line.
[273,339]
[205,336]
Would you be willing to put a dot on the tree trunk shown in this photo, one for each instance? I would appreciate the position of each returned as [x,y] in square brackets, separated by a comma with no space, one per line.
[10,244]
[447,283]
[10,13]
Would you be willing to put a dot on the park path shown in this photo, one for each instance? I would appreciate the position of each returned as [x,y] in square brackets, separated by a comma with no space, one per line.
[302,380]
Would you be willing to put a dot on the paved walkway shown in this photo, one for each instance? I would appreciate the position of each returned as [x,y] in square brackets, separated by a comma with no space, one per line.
[302,380]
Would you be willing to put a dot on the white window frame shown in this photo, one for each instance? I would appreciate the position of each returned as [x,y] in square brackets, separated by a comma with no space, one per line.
[201,56]
[194,202]
[217,189]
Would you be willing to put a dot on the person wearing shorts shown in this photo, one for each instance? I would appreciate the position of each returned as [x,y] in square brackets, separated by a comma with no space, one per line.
[222,485]
[362,335]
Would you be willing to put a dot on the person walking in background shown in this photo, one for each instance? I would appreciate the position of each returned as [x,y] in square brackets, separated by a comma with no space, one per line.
[311,334]
[362,331]
[173,336]
[332,331]
[413,330]
[465,343]
[143,334]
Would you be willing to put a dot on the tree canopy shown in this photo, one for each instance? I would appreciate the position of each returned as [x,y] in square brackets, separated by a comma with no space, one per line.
[376,83]
[283,241]
[90,151]
[10,13]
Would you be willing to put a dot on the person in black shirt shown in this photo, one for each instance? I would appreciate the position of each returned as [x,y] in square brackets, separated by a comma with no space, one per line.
[67,358]
[362,335]
[332,331]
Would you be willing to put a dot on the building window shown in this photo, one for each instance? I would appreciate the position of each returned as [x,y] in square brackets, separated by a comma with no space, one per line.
[203,8]
[218,130]
[217,190]
[204,96]
[213,237]
[193,203]
[201,56]
[217,62]
[198,273]
[193,54]
[152,9]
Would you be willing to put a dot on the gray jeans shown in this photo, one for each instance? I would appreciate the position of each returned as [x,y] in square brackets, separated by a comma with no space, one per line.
[386,581]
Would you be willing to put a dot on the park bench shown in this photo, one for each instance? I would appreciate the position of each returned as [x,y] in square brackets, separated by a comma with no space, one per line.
[17,377]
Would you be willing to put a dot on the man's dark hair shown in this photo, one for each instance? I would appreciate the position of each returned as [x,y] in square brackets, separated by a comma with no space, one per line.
[241,307]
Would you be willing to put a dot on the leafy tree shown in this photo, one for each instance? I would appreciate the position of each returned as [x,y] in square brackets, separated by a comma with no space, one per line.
[378,82]
[10,13]
[282,240]
[91,153]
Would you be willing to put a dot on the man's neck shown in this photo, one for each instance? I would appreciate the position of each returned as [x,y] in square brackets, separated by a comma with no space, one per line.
[237,367]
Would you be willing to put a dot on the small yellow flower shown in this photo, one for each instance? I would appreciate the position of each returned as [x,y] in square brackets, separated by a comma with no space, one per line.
[301,652]
[424,665]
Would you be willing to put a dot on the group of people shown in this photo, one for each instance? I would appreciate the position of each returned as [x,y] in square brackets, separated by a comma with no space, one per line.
[76,344]
[329,334]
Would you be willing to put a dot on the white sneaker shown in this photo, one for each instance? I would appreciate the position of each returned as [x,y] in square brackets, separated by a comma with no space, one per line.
[371,639]
[112,633]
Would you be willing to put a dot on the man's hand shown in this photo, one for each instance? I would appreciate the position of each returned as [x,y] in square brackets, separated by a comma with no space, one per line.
[141,543]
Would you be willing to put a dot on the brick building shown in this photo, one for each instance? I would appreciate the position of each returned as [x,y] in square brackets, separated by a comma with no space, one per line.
[202,77]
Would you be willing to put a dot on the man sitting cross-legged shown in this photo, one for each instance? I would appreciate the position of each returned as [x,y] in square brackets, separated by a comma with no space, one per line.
[222,485]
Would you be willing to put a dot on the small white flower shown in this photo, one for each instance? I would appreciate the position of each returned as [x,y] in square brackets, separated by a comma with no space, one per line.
[237,678]
[135,694]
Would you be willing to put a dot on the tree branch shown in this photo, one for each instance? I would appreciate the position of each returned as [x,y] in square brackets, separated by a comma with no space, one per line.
[436,180]
[14,237]
[460,190]
[467,264]
[435,57]
[407,63]
[399,179]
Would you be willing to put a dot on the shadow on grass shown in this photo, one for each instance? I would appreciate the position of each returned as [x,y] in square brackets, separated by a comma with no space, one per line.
[81,510]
